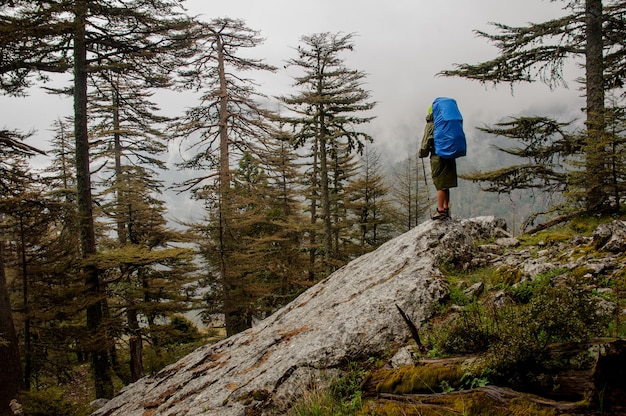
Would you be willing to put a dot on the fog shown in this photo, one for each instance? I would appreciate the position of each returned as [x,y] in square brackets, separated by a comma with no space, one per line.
[400,44]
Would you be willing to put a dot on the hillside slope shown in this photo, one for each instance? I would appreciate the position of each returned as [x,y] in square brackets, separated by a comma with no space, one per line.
[350,316]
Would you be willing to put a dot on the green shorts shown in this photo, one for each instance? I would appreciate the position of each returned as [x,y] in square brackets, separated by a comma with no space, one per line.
[444,172]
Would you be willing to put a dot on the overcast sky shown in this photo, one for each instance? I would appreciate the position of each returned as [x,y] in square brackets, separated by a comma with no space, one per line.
[400,44]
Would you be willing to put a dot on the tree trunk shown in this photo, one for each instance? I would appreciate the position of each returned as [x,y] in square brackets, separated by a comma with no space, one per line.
[334,205]
[10,367]
[233,312]
[28,356]
[578,387]
[135,345]
[596,173]
[328,238]
[313,208]
[121,224]
[97,342]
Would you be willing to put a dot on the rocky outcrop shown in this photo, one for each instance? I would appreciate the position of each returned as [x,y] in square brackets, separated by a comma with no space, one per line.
[611,237]
[352,314]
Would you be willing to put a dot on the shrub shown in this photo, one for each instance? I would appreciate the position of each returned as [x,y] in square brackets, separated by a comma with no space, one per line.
[458,297]
[471,332]
[505,276]
[555,314]
[179,330]
[523,292]
[515,339]
[343,397]
[51,402]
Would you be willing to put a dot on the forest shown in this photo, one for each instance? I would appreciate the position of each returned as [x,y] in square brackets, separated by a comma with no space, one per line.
[93,275]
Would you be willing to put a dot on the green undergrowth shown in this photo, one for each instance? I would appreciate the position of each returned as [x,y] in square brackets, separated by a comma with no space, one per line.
[52,401]
[582,225]
[72,395]
[474,403]
[512,344]
[342,398]
[513,339]
[419,379]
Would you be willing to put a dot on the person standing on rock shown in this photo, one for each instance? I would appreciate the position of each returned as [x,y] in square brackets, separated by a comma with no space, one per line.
[443,170]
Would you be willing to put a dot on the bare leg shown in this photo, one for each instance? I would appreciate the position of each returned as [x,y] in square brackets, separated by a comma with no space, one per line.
[441,196]
[443,200]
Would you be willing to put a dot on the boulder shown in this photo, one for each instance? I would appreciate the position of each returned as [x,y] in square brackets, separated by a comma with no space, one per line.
[611,237]
[508,242]
[485,228]
[351,315]
[474,290]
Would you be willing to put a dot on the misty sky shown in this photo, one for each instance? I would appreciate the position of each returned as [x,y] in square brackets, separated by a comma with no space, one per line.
[400,44]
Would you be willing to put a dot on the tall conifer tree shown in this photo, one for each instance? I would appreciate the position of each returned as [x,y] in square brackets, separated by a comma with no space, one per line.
[409,192]
[369,203]
[228,121]
[325,113]
[13,152]
[144,36]
[592,30]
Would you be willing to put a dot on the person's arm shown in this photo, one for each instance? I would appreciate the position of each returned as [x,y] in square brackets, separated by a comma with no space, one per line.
[427,140]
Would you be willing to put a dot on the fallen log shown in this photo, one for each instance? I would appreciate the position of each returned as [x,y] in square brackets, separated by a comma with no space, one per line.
[490,395]
[592,377]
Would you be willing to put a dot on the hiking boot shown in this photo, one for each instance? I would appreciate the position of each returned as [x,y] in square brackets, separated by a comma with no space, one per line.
[439,215]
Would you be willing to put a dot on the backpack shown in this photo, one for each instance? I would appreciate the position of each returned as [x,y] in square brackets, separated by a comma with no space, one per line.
[449,137]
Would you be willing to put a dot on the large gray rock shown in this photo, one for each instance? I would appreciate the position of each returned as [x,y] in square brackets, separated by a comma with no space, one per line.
[351,314]
[611,237]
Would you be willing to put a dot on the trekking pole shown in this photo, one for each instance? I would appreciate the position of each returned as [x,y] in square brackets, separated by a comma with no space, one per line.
[430,214]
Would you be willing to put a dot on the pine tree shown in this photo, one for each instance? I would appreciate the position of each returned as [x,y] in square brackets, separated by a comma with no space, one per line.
[40,266]
[615,118]
[13,175]
[150,274]
[266,229]
[369,204]
[45,258]
[545,142]
[128,136]
[11,380]
[229,120]
[22,54]
[57,282]
[269,236]
[344,165]
[592,31]
[25,223]
[326,111]
[44,261]
[10,366]
[282,169]
[410,192]
[144,39]
[311,191]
